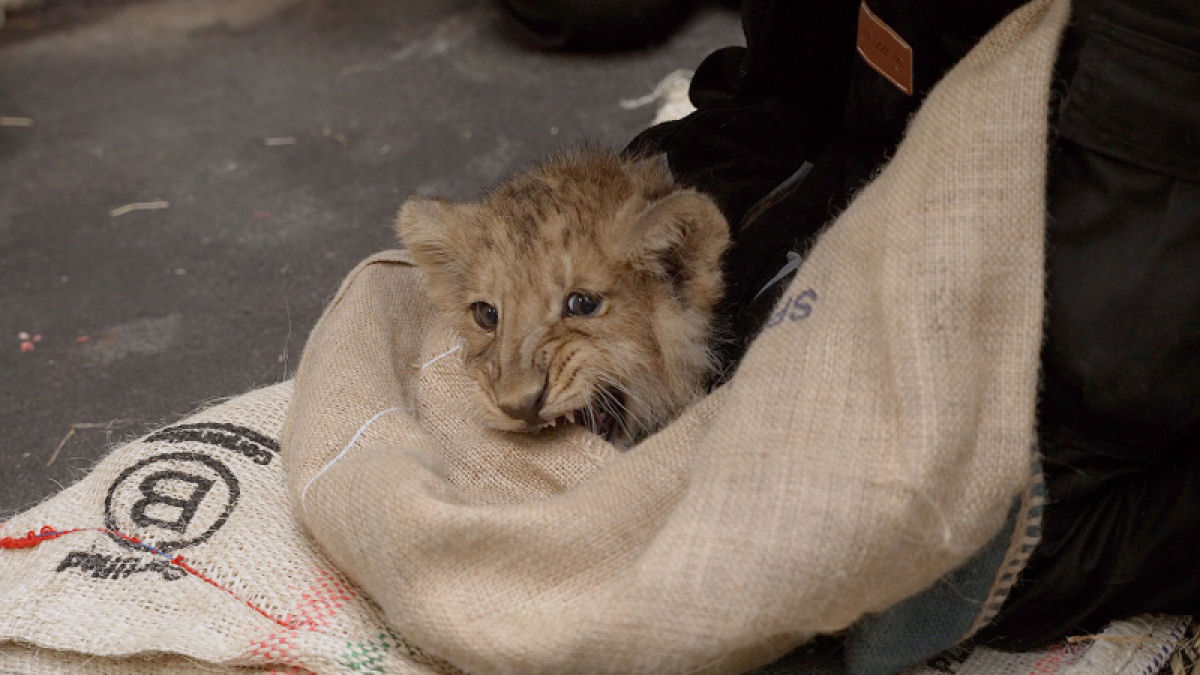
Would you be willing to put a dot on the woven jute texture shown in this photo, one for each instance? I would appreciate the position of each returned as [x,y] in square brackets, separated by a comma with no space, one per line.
[1141,645]
[220,578]
[255,596]
[874,437]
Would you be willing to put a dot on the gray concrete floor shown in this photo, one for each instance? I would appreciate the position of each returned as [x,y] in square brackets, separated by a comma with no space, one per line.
[145,316]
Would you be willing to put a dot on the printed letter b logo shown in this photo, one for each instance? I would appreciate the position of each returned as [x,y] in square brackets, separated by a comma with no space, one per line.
[184,508]
[171,501]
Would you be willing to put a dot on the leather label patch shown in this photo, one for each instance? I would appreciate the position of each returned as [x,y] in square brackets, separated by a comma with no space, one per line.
[884,50]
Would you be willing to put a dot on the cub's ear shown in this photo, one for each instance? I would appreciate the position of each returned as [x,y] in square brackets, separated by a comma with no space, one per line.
[680,238]
[435,232]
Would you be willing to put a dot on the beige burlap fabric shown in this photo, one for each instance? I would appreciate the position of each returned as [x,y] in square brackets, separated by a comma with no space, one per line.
[874,437]
[223,578]
[254,596]
[1141,645]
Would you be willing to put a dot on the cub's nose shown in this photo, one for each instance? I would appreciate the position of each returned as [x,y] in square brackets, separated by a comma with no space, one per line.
[526,408]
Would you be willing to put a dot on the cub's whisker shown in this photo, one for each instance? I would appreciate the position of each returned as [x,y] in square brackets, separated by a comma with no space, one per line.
[645,420]
[615,409]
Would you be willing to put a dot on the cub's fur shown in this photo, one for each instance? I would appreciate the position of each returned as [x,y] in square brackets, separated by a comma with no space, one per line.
[583,290]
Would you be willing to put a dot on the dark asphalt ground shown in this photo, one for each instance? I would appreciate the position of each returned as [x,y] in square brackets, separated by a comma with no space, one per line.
[137,318]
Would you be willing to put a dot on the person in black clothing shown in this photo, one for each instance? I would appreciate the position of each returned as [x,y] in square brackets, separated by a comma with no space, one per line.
[790,126]
[1119,416]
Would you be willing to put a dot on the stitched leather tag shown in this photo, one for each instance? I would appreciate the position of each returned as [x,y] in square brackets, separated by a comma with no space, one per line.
[884,50]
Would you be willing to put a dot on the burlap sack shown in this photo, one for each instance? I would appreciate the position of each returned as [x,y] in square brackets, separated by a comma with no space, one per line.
[875,435]
[220,576]
[254,596]
[1142,645]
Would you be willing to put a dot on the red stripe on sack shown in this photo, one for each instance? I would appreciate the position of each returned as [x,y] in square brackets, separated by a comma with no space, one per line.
[31,539]
[179,562]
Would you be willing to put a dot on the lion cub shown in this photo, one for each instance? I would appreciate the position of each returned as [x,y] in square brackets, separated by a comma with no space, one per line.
[583,290]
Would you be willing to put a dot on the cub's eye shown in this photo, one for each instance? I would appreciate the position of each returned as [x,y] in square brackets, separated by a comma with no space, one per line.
[486,315]
[581,304]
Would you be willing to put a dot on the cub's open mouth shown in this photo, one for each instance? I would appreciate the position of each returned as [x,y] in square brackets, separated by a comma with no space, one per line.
[604,416]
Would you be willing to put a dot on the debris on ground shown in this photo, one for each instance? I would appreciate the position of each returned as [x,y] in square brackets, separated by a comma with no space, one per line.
[328,132]
[671,94]
[109,426]
[28,342]
[139,206]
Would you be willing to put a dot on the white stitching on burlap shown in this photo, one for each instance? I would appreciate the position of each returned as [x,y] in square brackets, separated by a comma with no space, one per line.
[358,434]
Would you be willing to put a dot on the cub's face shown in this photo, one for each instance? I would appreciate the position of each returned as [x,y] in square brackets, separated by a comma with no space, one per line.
[583,291]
